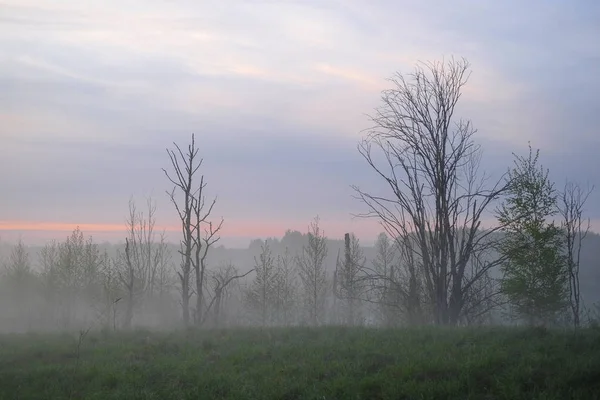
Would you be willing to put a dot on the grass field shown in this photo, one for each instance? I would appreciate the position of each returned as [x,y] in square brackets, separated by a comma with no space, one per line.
[323,363]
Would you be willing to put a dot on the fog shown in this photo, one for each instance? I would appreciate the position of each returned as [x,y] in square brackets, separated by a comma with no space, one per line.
[39,296]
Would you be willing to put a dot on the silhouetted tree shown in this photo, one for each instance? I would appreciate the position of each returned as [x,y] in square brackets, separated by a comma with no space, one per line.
[199,234]
[430,162]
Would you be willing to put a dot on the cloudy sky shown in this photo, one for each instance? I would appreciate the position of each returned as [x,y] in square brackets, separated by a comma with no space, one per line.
[92,92]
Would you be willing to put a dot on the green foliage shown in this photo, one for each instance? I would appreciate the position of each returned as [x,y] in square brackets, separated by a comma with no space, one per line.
[535,278]
[323,363]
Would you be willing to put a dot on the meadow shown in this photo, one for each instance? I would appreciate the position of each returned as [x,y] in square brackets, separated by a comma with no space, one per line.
[304,363]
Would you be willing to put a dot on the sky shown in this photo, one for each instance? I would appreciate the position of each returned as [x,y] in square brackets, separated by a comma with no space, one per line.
[277,93]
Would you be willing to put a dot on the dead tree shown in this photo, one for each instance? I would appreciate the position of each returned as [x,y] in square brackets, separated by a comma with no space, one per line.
[430,164]
[576,228]
[194,217]
[221,281]
[202,242]
[185,167]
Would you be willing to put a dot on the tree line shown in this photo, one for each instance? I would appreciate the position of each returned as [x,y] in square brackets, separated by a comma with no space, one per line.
[434,263]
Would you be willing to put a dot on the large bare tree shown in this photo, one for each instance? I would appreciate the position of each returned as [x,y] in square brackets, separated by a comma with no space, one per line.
[199,234]
[576,227]
[429,163]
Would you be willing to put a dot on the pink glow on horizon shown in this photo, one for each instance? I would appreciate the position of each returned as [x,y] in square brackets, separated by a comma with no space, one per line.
[237,231]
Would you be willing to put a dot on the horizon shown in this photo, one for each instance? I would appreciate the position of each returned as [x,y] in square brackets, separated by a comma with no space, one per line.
[115,236]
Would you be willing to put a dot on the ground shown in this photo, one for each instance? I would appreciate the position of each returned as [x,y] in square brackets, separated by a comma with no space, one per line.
[303,363]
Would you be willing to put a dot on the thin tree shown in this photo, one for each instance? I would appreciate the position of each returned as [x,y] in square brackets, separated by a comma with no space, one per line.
[194,217]
[429,163]
[535,279]
[138,267]
[575,229]
[205,235]
[311,269]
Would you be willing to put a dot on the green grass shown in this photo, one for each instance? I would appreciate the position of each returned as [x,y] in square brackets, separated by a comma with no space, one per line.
[324,363]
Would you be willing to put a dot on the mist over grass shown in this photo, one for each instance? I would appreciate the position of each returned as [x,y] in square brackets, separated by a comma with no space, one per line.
[304,363]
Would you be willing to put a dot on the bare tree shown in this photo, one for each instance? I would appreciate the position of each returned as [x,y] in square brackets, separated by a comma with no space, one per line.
[140,265]
[571,206]
[194,217]
[205,236]
[348,285]
[222,280]
[430,164]
[311,269]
